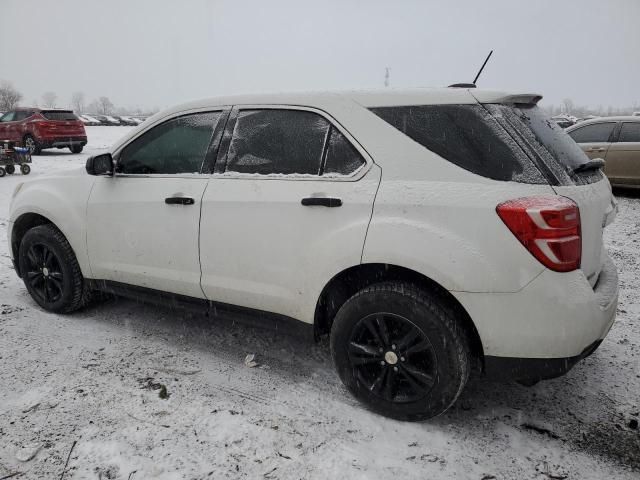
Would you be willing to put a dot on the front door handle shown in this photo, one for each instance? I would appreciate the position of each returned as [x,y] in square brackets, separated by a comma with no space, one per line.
[179,201]
[595,149]
[321,201]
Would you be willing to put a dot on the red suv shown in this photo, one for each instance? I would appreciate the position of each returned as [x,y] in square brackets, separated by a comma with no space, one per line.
[37,129]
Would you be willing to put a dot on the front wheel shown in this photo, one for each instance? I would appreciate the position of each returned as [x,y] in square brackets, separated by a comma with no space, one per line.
[50,270]
[25,169]
[400,351]
[76,148]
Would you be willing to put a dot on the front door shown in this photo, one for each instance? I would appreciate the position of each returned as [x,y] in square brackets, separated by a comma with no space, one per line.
[286,210]
[8,127]
[143,222]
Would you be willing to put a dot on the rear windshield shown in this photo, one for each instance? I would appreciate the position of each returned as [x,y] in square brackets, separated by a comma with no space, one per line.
[553,150]
[466,135]
[58,115]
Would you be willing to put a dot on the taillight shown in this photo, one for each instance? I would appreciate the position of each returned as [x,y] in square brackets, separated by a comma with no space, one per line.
[549,227]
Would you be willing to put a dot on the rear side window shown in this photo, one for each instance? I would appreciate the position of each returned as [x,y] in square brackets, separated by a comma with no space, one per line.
[176,146]
[467,136]
[342,158]
[630,132]
[58,115]
[594,133]
[282,142]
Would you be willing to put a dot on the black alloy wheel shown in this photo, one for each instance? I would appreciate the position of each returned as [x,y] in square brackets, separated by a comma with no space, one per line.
[44,273]
[401,350]
[392,357]
[50,270]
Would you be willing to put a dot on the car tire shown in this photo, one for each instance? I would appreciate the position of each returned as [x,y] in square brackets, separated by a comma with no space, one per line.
[50,270]
[2,172]
[400,351]
[32,144]
[11,169]
[76,148]
[25,169]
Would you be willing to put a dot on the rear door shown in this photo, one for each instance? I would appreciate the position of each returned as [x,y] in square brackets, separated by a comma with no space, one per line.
[286,209]
[595,138]
[623,156]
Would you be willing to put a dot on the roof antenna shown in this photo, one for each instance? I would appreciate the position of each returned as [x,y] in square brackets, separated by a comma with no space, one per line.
[475,80]
[473,85]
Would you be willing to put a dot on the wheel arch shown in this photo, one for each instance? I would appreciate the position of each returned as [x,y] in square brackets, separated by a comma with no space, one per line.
[21,226]
[349,281]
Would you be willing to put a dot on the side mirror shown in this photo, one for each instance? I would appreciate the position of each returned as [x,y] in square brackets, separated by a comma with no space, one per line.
[100,164]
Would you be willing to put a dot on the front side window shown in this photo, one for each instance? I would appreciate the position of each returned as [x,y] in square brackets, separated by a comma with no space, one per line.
[8,117]
[176,146]
[630,132]
[594,133]
[274,141]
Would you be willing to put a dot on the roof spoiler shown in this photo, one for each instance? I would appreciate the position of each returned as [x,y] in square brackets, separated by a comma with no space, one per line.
[496,97]
[527,98]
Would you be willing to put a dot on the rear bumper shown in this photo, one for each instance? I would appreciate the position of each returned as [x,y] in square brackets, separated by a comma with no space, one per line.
[55,142]
[532,370]
[548,326]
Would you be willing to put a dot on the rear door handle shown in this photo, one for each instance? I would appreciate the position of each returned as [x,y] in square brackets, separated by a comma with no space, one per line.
[179,201]
[596,149]
[321,201]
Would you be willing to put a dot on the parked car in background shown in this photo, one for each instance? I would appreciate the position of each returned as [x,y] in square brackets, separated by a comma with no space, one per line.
[636,114]
[106,120]
[429,233]
[124,120]
[616,140]
[38,129]
[88,120]
[563,121]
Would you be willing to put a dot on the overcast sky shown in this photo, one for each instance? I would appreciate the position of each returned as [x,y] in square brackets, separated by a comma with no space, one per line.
[160,52]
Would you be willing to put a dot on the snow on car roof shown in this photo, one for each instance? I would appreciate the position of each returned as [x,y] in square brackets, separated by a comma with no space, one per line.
[367,98]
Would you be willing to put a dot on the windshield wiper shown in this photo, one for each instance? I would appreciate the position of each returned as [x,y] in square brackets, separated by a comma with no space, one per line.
[594,164]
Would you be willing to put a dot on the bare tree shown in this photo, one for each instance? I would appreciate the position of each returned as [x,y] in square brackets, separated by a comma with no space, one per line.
[77,102]
[49,99]
[9,96]
[567,103]
[105,105]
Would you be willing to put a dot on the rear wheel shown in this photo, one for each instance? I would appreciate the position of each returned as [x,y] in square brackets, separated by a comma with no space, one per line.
[2,172]
[50,270]
[76,148]
[33,146]
[25,169]
[400,351]
[10,169]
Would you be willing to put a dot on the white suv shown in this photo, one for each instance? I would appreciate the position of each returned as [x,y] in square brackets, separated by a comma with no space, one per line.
[430,233]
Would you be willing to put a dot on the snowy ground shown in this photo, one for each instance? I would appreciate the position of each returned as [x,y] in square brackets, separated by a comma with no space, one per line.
[89,383]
